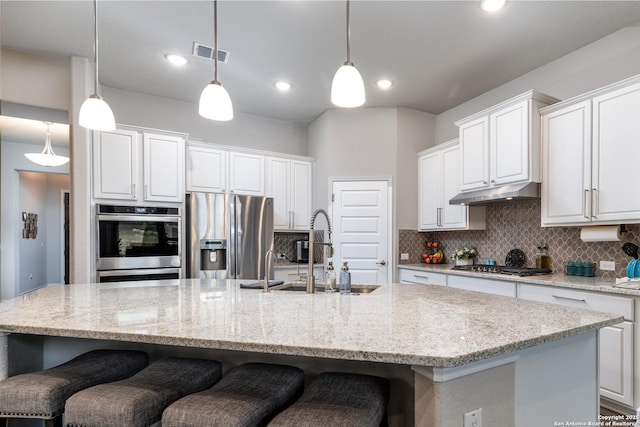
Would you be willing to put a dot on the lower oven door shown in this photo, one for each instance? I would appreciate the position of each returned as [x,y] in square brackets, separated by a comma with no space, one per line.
[106,276]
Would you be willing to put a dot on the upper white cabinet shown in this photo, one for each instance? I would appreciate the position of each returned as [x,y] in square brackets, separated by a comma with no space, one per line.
[138,165]
[289,183]
[501,145]
[206,169]
[590,150]
[163,166]
[439,181]
[246,174]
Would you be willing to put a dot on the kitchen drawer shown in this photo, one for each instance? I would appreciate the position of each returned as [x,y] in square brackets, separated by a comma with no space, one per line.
[422,277]
[620,306]
[480,284]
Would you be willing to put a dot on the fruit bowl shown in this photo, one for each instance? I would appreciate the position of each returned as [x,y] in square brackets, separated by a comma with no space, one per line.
[434,258]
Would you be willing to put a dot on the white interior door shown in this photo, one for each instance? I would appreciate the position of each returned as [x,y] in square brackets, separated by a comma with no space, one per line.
[360,219]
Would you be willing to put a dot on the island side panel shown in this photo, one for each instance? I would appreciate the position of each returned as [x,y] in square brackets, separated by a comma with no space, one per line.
[558,381]
[444,403]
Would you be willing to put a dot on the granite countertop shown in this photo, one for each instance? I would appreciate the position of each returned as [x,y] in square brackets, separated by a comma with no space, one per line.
[409,324]
[559,280]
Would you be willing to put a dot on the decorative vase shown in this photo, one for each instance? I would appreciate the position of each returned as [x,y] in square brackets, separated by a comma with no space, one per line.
[469,261]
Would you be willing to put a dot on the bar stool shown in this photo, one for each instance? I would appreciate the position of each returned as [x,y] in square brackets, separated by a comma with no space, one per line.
[339,400]
[250,395]
[42,394]
[140,400]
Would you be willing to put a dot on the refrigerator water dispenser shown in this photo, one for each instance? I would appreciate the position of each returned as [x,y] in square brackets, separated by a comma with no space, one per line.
[213,254]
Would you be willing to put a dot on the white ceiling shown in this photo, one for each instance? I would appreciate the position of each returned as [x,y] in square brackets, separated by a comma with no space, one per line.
[439,53]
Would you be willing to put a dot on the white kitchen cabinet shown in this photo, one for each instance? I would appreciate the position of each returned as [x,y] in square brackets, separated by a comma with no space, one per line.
[501,145]
[115,164]
[439,181]
[137,165]
[479,284]
[426,277]
[163,166]
[590,151]
[206,169]
[290,273]
[289,183]
[246,174]
[616,342]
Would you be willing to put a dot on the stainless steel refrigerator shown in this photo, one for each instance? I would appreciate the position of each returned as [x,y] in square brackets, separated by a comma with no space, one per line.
[227,235]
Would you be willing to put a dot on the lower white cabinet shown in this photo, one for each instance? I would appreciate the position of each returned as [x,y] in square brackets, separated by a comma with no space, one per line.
[489,286]
[616,342]
[407,275]
[290,273]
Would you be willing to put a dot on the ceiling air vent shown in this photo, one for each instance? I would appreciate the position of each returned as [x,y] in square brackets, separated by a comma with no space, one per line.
[206,52]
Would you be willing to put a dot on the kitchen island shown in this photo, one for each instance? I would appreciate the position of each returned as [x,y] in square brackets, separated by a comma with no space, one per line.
[451,351]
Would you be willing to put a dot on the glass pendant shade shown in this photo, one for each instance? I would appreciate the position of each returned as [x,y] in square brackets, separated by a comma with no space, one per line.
[215,102]
[96,114]
[47,157]
[347,89]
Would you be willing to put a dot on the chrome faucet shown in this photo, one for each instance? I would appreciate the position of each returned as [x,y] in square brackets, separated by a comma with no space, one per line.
[266,268]
[310,279]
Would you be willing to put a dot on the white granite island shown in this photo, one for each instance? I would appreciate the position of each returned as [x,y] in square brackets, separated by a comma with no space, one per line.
[446,351]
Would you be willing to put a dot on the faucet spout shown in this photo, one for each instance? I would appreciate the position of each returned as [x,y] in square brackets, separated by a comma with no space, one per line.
[310,279]
[267,272]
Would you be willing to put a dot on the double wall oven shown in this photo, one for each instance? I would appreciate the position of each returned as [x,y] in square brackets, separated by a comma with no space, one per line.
[138,243]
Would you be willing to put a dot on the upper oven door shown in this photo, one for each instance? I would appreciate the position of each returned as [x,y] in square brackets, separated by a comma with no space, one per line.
[138,241]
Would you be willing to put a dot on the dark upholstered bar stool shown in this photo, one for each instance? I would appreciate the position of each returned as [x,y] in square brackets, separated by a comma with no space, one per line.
[250,395]
[42,394]
[140,400]
[339,400]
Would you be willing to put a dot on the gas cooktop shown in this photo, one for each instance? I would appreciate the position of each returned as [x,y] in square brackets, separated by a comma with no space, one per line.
[503,269]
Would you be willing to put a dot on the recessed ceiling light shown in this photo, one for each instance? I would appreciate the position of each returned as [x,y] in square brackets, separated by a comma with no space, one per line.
[384,83]
[491,5]
[175,59]
[283,86]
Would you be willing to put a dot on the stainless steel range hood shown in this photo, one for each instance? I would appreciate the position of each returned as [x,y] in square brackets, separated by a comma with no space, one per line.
[504,193]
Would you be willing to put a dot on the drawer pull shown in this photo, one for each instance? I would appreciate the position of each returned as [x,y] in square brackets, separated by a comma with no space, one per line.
[420,277]
[569,298]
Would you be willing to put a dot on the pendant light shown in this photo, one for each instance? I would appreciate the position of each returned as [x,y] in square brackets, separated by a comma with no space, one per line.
[347,89]
[95,112]
[47,157]
[215,103]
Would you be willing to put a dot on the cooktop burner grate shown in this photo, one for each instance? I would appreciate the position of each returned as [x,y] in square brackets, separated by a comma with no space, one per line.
[503,269]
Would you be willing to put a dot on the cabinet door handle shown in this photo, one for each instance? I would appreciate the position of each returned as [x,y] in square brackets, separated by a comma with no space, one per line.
[569,298]
[133,191]
[595,198]
[439,217]
[493,181]
[484,182]
[145,191]
[584,203]
[381,262]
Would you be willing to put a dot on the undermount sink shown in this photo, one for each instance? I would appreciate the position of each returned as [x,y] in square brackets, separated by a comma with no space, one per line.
[302,287]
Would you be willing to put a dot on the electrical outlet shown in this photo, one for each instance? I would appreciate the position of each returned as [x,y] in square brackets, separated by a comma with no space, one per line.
[608,265]
[473,418]
[404,257]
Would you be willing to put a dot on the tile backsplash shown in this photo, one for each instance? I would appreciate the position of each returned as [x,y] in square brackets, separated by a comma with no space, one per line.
[517,225]
[285,243]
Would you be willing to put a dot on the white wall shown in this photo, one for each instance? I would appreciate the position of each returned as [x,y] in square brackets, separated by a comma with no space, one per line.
[12,161]
[32,267]
[605,61]
[32,80]
[244,130]
[415,133]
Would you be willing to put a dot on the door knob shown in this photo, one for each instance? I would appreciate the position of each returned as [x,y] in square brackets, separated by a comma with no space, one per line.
[383,262]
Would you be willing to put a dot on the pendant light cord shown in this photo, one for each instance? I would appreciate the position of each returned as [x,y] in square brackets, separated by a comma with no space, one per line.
[215,41]
[95,42]
[348,36]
